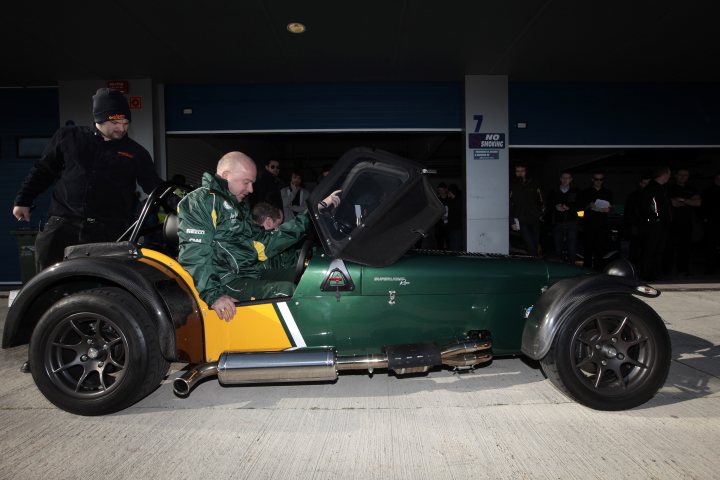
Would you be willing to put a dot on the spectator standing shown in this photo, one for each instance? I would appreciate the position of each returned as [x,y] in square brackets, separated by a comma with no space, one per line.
[632,220]
[563,205]
[268,186]
[526,208]
[95,171]
[685,201]
[656,215]
[711,219]
[456,218]
[441,228]
[294,196]
[597,202]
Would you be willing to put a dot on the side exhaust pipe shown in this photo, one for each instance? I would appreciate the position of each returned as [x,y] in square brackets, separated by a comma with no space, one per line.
[323,364]
[182,385]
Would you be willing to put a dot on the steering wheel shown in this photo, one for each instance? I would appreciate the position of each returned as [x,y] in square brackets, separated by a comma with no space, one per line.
[304,256]
[338,226]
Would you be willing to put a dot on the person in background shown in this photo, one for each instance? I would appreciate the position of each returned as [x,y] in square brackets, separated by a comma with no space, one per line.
[632,220]
[655,211]
[95,171]
[294,196]
[685,201]
[563,206]
[597,203]
[441,228]
[711,220]
[268,186]
[526,208]
[456,218]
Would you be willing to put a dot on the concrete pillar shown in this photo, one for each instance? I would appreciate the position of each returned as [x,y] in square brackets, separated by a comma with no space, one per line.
[486,163]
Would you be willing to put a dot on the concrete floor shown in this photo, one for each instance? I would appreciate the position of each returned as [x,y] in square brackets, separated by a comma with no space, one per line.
[502,422]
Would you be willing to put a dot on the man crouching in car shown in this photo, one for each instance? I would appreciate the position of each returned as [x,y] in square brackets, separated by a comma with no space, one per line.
[222,248]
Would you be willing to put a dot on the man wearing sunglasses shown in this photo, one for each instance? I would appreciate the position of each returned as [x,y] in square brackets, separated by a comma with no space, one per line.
[268,186]
[597,202]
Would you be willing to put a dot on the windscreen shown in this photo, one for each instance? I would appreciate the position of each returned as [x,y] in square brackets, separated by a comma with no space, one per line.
[386,206]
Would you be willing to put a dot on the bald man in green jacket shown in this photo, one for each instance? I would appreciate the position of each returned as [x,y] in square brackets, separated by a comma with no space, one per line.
[223,249]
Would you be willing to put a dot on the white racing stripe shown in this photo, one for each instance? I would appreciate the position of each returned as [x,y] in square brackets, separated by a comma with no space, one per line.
[291,325]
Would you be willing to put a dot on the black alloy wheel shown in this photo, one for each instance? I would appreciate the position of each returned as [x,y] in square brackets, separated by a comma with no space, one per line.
[612,354]
[96,352]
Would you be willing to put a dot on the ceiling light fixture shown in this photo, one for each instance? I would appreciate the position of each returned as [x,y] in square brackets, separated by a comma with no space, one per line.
[295,27]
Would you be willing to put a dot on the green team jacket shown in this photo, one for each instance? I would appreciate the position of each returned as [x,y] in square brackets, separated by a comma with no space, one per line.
[220,243]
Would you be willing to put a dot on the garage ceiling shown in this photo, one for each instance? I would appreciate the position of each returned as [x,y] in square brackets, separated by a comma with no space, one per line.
[246,41]
[236,41]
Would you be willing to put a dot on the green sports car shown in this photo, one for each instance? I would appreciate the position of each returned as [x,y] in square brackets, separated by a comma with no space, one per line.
[104,323]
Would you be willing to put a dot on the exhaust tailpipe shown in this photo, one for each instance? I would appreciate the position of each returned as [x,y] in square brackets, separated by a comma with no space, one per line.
[467,354]
[182,385]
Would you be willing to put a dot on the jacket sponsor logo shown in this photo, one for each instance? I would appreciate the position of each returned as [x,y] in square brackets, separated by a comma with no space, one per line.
[126,154]
[195,231]
[260,248]
[227,206]
[195,240]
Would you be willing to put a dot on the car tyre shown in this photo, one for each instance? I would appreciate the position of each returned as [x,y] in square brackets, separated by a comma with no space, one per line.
[96,352]
[613,353]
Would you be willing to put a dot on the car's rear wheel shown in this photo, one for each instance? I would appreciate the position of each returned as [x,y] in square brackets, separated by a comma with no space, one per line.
[96,352]
[612,354]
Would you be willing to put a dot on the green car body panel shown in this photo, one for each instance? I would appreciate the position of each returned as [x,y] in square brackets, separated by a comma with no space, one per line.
[423,297]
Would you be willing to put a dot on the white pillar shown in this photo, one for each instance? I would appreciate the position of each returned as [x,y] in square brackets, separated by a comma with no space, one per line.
[486,163]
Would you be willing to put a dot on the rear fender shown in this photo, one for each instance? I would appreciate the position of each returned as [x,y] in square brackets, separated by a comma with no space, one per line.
[562,299]
[165,296]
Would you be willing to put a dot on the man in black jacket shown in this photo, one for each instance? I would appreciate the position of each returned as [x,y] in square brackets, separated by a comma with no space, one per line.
[526,208]
[656,215]
[563,205]
[597,203]
[268,186]
[95,171]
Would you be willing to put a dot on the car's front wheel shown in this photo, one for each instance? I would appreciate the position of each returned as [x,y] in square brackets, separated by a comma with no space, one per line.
[612,354]
[96,352]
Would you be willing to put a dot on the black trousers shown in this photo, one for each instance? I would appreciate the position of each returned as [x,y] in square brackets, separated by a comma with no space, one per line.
[61,232]
[596,241]
[655,237]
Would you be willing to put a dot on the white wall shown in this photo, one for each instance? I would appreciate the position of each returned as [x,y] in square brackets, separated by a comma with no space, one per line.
[487,178]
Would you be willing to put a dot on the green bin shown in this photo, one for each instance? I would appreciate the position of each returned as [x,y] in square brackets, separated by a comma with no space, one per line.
[26,252]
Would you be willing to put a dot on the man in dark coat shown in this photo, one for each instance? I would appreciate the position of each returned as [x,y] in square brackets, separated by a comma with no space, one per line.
[526,208]
[94,171]
[268,186]
[563,207]
[597,203]
[656,216]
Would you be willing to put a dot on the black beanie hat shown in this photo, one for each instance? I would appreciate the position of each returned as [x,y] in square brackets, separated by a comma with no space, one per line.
[109,104]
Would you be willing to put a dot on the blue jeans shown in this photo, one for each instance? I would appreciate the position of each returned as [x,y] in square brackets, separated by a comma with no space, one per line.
[565,235]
